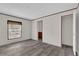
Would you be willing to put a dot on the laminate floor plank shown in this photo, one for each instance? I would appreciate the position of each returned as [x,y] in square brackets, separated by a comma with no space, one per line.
[34,48]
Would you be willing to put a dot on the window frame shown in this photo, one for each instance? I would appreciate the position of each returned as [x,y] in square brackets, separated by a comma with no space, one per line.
[8,29]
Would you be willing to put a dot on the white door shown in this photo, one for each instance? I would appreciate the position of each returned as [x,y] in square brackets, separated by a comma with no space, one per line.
[67,30]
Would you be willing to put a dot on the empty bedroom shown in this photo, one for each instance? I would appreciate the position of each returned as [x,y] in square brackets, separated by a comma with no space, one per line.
[39,29]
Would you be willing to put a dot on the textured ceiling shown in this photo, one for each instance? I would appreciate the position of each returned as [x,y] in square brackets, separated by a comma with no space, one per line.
[34,10]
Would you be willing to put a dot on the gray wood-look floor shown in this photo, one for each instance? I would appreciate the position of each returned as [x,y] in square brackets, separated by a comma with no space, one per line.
[34,48]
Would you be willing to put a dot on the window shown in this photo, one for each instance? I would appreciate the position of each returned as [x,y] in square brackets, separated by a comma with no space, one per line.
[14,29]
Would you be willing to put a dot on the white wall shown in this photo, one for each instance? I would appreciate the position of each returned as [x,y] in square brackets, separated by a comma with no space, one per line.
[77,33]
[40,26]
[67,30]
[77,28]
[51,28]
[26,29]
[34,30]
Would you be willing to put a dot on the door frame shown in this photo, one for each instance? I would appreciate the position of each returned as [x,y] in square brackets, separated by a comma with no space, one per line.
[74,31]
[42,29]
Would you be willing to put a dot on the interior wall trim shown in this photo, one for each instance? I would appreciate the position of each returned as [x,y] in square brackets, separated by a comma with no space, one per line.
[56,13]
[15,16]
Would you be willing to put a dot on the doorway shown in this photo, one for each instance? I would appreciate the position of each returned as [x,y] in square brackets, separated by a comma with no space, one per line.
[40,30]
[67,30]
